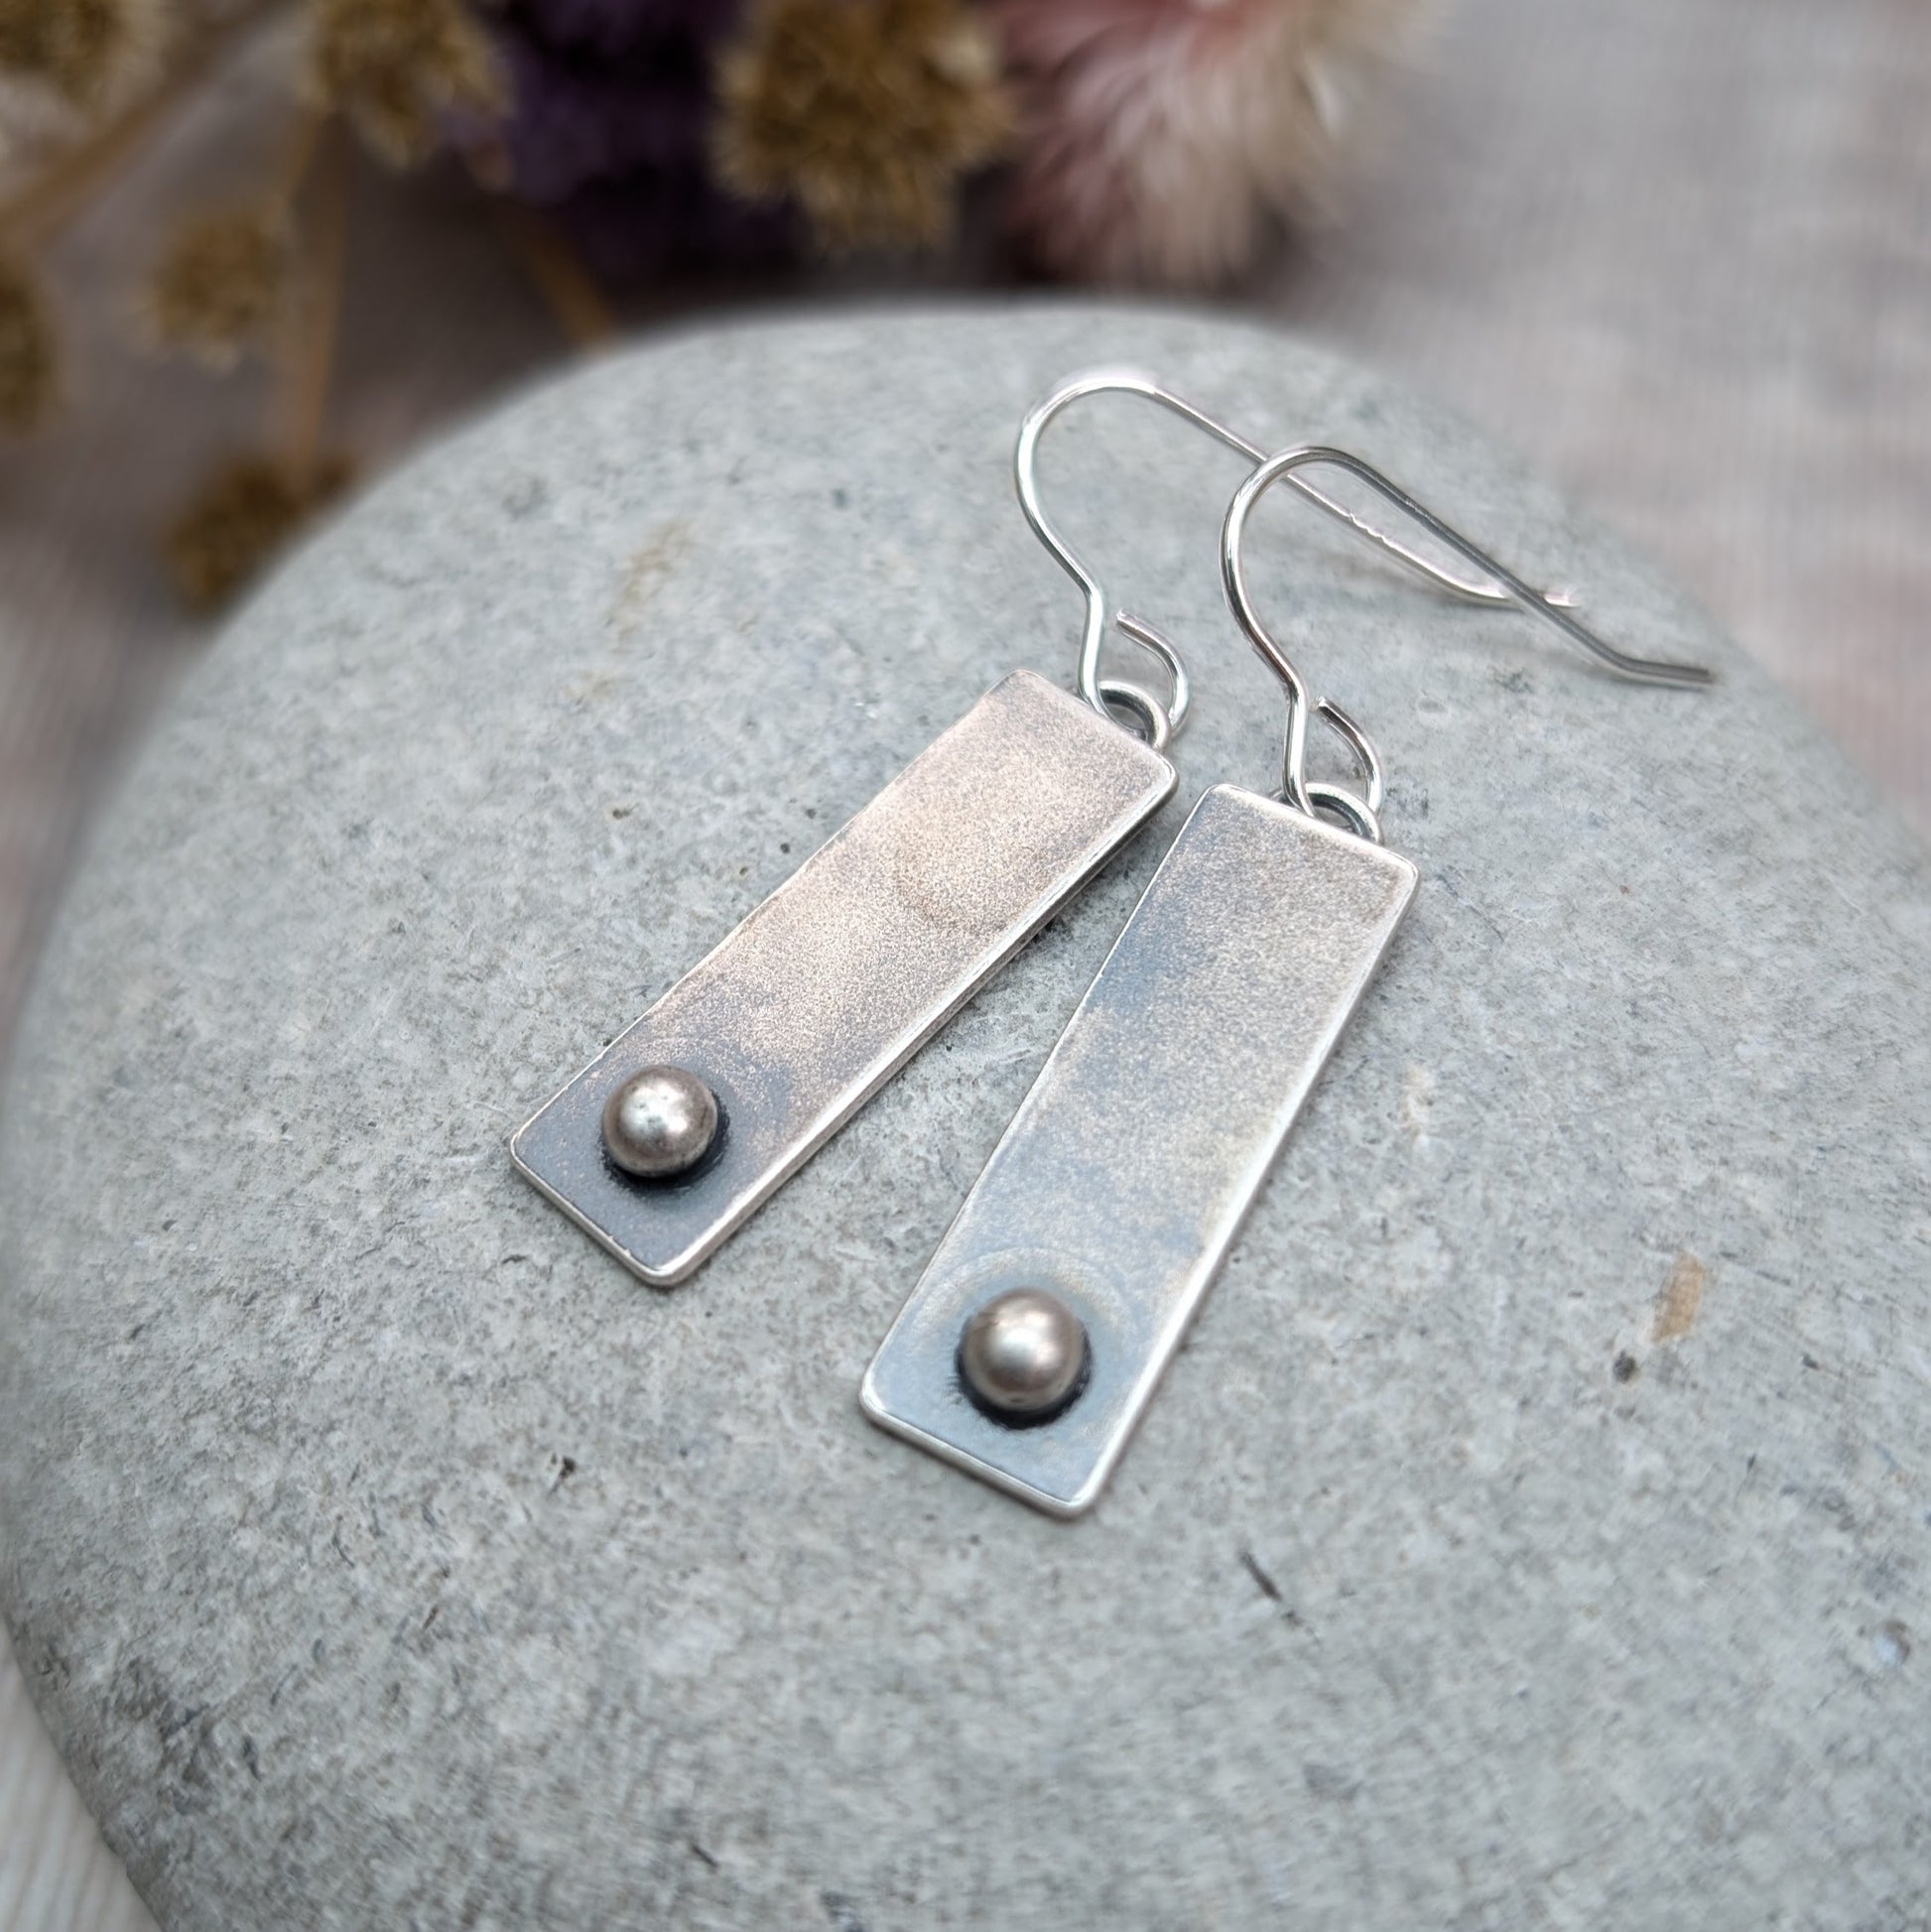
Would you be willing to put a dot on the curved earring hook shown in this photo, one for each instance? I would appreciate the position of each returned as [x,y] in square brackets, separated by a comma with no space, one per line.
[1102,612]
[1363,814]
[1285,464]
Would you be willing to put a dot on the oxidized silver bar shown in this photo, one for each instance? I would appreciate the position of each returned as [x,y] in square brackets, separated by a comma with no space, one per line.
[804,1010]
[1126,1171]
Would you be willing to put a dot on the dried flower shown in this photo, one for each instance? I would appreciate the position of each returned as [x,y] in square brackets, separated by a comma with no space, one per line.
[81,49]
[29,351]
[218,284]
[866,111]
[1169,135]
[609,135]
[239,518]
[399,68]
[612,29]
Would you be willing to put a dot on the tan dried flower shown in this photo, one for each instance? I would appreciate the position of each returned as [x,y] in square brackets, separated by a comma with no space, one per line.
[866,112]
[80,49]
[239,518]
[219,284]
[396,68]
[29,351]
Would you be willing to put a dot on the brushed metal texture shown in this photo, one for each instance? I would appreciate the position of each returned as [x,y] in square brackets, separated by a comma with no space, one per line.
[1127,1169]
[811,1004]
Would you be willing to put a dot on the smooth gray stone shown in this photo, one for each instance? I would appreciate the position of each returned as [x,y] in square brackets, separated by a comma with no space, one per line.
[1535,1530]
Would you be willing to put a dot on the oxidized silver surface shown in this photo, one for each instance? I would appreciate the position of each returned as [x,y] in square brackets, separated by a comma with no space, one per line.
[1148,1132]
[830,986]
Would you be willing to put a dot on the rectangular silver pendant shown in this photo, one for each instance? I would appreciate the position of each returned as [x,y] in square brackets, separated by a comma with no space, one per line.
[1123,1178]
[804,1010]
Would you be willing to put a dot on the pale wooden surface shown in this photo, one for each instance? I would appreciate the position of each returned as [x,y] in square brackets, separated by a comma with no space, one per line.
[1678,250]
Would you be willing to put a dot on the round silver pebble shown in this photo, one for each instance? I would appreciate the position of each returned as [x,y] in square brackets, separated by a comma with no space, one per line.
[661,1122]
[1022,1354]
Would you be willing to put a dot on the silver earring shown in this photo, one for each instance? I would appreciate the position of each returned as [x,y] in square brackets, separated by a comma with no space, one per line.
[1036,1337]
[700,1111]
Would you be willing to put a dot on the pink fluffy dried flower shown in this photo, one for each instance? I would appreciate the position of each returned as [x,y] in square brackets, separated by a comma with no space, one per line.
[1166,137]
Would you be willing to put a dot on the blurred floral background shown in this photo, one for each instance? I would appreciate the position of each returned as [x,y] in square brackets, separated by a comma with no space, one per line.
[615,142]
[1678,251]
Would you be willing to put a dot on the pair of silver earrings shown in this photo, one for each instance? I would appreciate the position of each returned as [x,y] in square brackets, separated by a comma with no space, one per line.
[1039,1330]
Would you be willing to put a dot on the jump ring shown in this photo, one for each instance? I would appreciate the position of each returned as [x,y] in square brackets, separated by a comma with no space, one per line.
[1155,722]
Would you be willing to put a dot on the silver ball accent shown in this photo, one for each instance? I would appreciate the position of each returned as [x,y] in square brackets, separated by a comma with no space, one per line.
[1022,1355]
[659,1123]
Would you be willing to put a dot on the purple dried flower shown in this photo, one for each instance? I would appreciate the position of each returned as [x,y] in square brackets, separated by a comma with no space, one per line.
[621,26]
[610,127]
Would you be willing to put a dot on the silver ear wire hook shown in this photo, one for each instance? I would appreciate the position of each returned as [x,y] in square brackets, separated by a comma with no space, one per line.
[1163,721]
[1363,814]
[1296,788]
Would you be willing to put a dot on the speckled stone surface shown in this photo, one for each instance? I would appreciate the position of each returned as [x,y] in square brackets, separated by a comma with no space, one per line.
[1535,1531]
